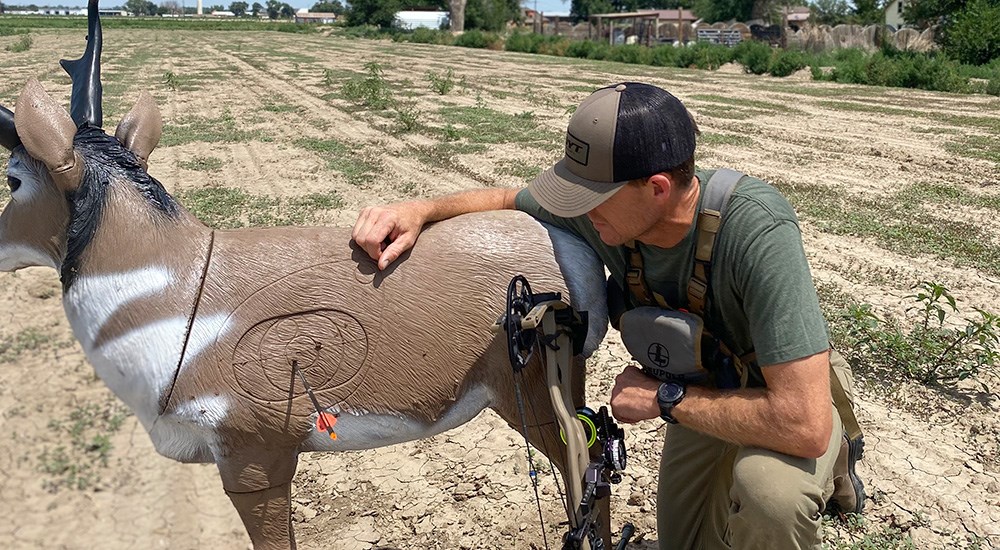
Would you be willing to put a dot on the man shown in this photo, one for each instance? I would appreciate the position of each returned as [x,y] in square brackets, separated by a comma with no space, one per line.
[749,467]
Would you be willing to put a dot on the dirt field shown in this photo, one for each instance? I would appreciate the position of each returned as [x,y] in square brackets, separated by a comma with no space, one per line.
[266,115]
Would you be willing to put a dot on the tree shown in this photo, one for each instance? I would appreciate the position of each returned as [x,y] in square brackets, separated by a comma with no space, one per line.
[328,6]
[257,8]
[287,11]
[239,9]
[381,13]
[140,7]
[491,15]
[868,12]
[831,12]
[724,10]
[273,9]
[969,29]
[172,7]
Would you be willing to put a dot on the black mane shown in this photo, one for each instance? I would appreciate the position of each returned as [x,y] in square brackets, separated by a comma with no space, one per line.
[105,160]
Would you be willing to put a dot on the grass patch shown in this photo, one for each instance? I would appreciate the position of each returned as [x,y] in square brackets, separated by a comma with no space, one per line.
[29,339]
[227,208]
[202,164]
[863,535]
[87,431]
[485,125]
[221,129]
[896,223]
[977,147]
[710,138]
[518,169]
[726,112]
[340,158]
[23,44]
[851,106]
[752,103]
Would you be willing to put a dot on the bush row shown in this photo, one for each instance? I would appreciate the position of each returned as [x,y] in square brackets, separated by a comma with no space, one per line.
[887,67]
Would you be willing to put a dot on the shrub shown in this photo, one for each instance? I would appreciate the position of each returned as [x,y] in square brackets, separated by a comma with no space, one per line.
[630,53]
[522,42]
[787,62]
[586,49]
[370,91]
[753,55]
[477,39]
[424,35]
[554,45]
[664,56]
[973,36]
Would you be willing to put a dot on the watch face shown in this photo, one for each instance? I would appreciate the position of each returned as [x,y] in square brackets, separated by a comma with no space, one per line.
[670,392]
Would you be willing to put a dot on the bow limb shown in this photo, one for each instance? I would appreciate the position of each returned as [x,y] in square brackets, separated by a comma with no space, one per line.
[559,375]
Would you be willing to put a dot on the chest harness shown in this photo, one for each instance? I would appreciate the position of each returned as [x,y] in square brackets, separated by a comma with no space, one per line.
[711,216]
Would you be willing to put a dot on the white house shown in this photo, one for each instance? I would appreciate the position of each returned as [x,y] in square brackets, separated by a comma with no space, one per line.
[427,19]
[894,13]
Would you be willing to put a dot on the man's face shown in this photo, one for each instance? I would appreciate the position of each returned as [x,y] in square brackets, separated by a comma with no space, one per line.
[625,216]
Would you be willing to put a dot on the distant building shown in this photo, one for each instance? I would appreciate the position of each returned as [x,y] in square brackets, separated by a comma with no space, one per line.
[223,13]
[421,19]
[318,18]
[796,16]
[894,13]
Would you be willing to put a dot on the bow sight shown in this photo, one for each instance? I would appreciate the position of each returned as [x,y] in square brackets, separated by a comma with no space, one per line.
[545,321]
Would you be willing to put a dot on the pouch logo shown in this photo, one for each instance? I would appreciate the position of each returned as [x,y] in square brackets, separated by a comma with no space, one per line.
[577,149]
[658,355]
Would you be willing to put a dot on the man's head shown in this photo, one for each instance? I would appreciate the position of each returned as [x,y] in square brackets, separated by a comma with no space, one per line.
[622,133]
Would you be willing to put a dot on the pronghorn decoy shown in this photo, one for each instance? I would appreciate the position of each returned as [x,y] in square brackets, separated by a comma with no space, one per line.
[210,337]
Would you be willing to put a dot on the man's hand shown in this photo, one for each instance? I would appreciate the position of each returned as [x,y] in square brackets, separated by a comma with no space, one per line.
[633,399]
[385,232]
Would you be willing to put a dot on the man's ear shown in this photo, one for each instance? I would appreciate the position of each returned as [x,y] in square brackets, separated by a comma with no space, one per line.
[661,184]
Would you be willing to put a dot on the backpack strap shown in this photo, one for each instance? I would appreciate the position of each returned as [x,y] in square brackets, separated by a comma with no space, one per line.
[713,209]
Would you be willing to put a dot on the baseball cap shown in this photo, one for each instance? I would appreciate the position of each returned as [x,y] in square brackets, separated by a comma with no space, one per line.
[620,133]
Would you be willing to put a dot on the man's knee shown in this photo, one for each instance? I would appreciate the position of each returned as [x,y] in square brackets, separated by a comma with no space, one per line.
[771,489]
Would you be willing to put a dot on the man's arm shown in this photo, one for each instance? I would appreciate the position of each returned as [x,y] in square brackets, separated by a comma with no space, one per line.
[793,415]
[385,232]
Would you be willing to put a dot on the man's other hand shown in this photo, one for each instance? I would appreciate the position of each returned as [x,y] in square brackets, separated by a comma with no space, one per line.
[385,232]
[633,399]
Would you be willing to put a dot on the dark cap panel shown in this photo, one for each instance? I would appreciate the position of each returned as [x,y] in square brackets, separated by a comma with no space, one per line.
[655,132]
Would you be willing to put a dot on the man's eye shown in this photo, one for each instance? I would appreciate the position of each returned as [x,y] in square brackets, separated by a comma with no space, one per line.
[13,183]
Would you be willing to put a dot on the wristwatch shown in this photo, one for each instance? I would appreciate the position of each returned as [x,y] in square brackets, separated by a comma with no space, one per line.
[668,396]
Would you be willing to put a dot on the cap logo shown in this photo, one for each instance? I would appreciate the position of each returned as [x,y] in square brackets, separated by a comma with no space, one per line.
[577,149]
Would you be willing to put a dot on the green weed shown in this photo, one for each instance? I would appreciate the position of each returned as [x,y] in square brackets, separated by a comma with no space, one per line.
[926,348]
[407,117]
[371,91]
[202,164]
[441,83]
[171,81]
[23,44]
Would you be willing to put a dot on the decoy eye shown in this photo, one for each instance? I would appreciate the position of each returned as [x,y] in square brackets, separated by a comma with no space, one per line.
[13,183]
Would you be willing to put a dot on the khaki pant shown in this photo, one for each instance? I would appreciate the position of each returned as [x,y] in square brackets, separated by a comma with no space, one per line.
[713,494]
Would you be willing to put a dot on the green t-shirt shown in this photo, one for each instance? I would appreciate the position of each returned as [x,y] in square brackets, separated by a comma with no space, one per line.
[761,296]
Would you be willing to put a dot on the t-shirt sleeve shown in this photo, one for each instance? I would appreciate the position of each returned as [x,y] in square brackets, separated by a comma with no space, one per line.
[779,297]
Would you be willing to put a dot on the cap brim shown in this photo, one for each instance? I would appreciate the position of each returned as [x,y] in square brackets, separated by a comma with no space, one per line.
[567,195]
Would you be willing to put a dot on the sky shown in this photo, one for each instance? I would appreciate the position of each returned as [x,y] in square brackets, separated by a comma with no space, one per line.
[546,6]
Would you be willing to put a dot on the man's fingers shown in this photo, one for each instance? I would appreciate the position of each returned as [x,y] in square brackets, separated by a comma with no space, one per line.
[402,243]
